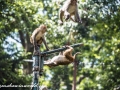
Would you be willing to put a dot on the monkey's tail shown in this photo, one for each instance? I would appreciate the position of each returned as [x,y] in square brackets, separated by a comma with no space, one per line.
[76,54]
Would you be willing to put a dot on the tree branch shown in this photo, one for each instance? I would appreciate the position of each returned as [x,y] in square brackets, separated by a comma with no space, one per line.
[80,79]
[22,38]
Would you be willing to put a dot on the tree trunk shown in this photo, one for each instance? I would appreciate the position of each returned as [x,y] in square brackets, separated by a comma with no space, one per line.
[25,41]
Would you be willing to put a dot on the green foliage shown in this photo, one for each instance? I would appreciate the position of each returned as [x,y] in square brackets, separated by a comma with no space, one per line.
[98,67]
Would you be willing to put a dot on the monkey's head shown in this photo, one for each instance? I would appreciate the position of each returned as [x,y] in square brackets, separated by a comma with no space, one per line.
[73,2]
[69,47]
[43,28]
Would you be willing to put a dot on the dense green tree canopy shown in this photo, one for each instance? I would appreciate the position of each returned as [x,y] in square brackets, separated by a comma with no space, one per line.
[98,65]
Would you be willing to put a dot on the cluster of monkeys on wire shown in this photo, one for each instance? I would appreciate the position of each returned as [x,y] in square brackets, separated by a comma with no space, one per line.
[68,10]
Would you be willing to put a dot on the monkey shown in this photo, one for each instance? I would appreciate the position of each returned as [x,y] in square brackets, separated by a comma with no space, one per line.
[37,38]
[68,10]
[64,58]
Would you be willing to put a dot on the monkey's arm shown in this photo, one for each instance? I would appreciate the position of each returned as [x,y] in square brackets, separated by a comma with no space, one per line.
[53,61]
[45,43]
[77,17]
[61,14]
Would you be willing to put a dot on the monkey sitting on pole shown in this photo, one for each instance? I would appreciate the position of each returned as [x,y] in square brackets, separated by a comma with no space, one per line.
[63,58]
[38,37]
[69,9]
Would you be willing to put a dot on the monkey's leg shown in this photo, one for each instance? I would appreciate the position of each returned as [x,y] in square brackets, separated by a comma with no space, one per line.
[36,51]
[49,63]
[61,14]
[77,17]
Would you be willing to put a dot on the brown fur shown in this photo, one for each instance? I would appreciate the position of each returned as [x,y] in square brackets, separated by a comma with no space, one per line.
[64,59]
[37,37]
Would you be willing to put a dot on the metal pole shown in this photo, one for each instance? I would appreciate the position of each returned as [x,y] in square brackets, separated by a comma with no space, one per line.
[74,75]
[61,49]
[41,62]
[35,72]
